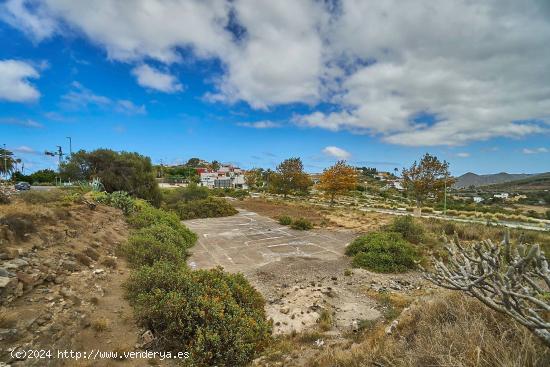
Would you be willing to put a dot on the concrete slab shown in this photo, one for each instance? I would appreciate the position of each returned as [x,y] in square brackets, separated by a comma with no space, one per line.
[247,241]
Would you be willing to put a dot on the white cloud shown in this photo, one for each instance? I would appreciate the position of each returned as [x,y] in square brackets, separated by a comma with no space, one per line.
[336,152]
[80,97]
[130,108]
[14,84]
[463,154]
[152,78]
[534,150]
[477,69]
[25,123]
[265,124]
[37,24]
[24,149]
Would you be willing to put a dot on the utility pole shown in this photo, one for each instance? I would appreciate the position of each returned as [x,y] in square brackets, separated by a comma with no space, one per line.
[70,146]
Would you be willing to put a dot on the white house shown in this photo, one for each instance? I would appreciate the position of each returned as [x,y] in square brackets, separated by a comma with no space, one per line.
[477,199]
[503,195]
[227,176]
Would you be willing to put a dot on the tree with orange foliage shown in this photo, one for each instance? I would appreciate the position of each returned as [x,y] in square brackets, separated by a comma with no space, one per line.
[338,179]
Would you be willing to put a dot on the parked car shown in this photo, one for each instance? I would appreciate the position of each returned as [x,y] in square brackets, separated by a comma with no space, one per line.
[22,186]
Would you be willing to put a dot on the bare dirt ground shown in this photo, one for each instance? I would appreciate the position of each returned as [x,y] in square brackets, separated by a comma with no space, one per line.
[64,286]
[300,273]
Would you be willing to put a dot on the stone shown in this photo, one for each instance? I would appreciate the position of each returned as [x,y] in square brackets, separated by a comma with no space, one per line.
[147,337]
[284,310]
[6,282]
[70,265]
[4,273]
[91,253]
[392,327]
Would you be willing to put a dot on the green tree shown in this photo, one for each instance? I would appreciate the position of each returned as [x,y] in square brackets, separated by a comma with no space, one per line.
[193,162]
[118,171]
[7,162]
[426,178]
[290,177]
[215,165]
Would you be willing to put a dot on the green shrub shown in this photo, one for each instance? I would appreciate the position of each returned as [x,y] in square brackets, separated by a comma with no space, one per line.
[217,317]
[121,200]
[118,171]
[384,252]
[146,215]
[171,197]
[301,224]
[285,220]
[206,208]
[408,228]
[147,250]
[178,235]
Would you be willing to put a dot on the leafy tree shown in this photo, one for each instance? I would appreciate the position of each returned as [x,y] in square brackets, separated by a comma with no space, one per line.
[215,165]
[254,177]
[193,162]
[290,177]
[426,178]
[118,171]
[338,179]
[7,162]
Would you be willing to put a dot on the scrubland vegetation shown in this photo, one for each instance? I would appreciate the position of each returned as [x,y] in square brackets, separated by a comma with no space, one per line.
[451,329]
[217,317]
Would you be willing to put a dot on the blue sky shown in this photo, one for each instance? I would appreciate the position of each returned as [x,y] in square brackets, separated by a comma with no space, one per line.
[253,83]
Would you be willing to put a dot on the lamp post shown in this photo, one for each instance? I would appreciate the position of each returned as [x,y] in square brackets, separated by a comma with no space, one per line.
[70,146]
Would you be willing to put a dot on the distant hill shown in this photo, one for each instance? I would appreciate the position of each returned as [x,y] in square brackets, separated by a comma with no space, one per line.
[471,179]
[531,183]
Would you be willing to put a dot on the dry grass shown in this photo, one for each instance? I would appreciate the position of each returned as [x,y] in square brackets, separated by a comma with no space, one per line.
[101,324]
[278,208]
[7,319]
[325,320]
[451,330]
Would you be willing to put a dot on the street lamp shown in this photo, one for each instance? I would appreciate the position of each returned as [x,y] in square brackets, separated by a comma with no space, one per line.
[70,146]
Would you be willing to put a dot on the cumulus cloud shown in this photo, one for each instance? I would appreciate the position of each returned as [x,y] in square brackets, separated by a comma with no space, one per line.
[14,83]
[336,152]
[264,124]
[413,73]
[534,150]
[155,79]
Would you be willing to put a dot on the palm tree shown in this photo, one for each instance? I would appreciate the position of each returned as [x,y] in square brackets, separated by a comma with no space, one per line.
[6,162]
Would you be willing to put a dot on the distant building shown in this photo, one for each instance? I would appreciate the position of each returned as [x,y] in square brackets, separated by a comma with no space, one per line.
[395,184]
[383,176]
[503,195]
[227,176]
[477,199]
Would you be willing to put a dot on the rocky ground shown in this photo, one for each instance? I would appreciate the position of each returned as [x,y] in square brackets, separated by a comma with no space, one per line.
[298,290]
[61,285]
